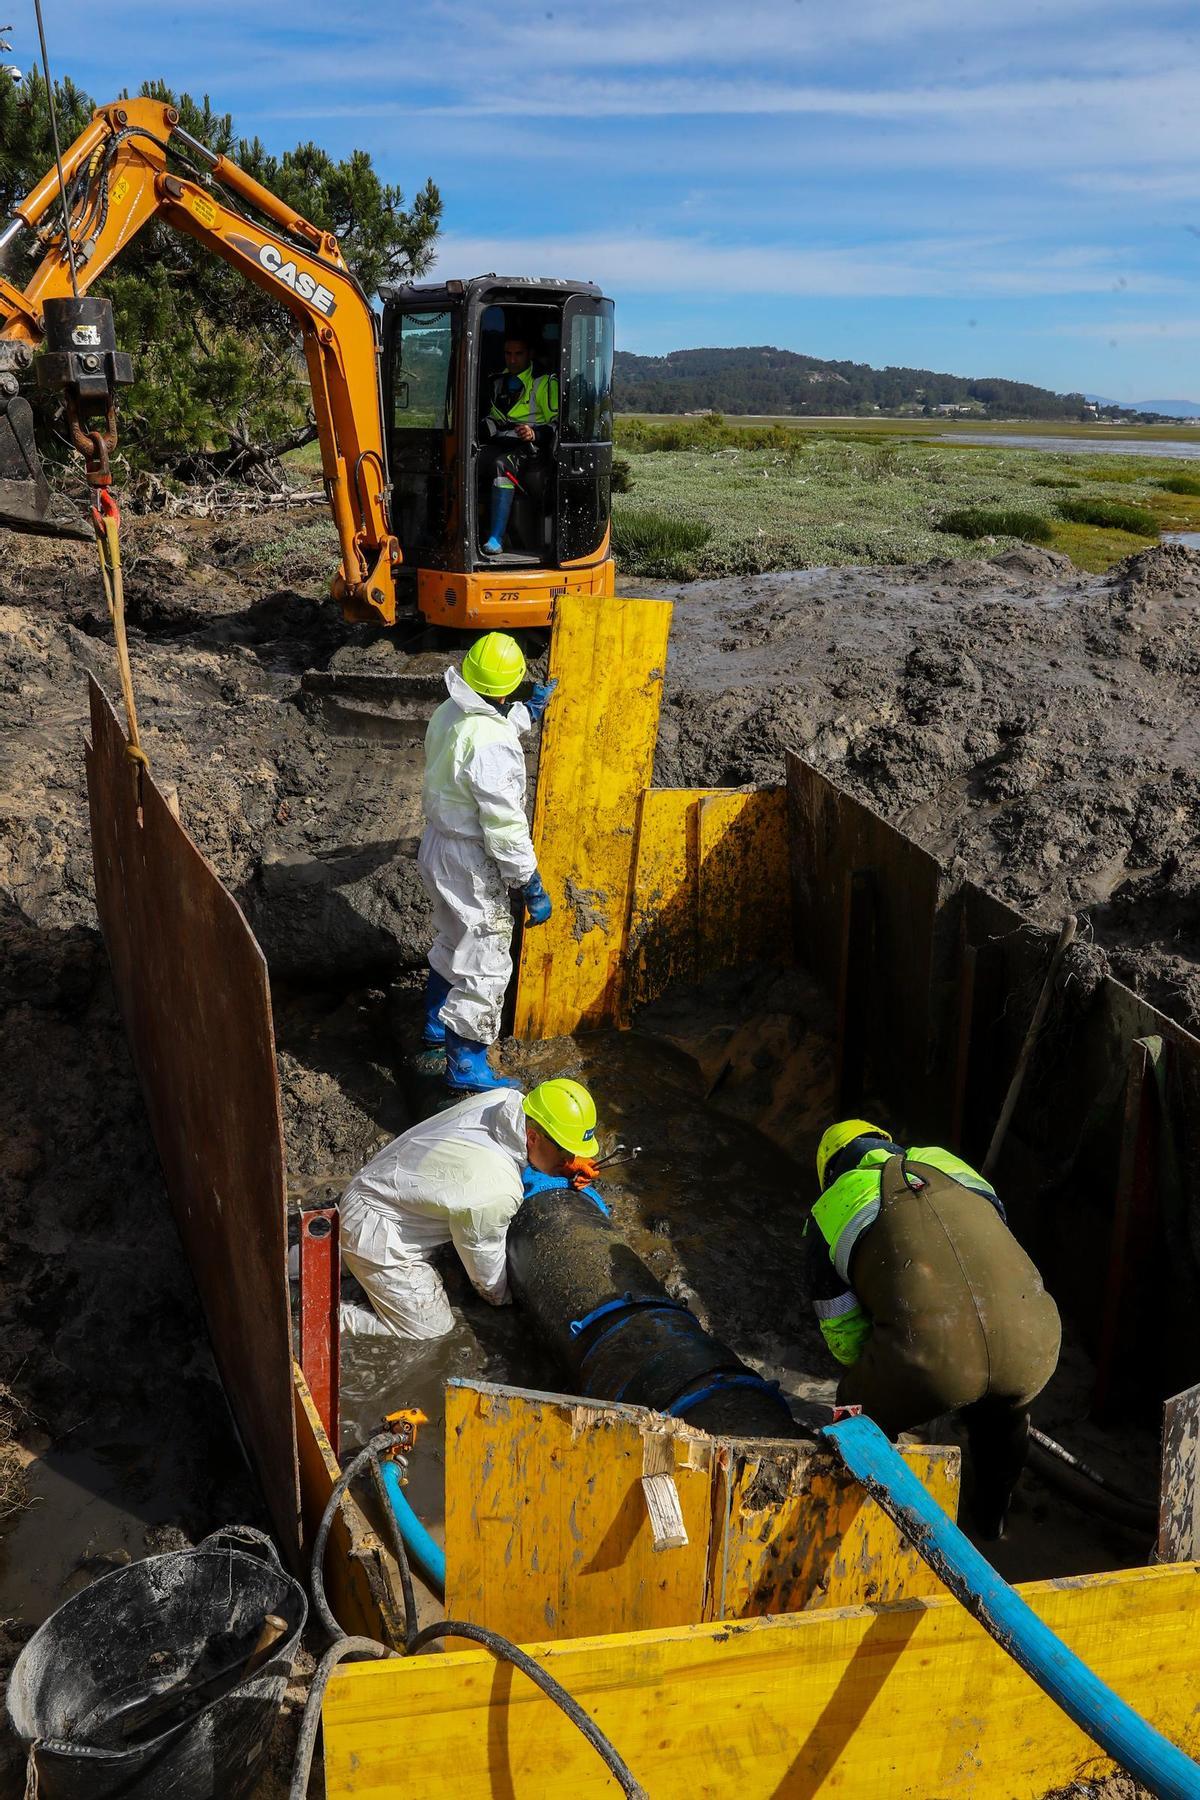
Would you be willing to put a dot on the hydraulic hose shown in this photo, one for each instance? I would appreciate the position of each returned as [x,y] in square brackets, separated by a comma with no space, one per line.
[1129,1739]
[424,1549]
[310,1721]
[383,1440]
[553,1690]
[1061,1469]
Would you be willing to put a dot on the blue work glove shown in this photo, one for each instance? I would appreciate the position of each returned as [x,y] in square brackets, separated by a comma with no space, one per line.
[534,1182]
[536,900]
[539,700]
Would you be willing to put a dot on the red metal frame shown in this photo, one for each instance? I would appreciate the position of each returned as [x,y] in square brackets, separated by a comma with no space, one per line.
[320,1293]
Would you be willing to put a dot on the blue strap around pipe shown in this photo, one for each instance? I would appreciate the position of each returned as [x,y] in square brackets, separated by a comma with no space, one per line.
[718,1385]
[1141,1750]
[624,1303]
[424,1550]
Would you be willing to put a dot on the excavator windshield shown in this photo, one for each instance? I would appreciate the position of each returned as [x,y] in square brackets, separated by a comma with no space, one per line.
[424,349]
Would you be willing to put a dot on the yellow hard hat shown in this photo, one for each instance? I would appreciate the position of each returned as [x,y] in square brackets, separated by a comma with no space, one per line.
[838,1136]
[494,665]
[566,1112]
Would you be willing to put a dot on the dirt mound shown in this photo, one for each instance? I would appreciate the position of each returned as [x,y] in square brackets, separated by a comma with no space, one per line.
[1166,572]
[1007,714]
[1031,560]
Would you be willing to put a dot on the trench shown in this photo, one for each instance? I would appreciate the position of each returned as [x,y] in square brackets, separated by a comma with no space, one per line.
[715,1205]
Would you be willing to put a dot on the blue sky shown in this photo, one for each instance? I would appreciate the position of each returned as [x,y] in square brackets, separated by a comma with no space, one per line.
[989,188]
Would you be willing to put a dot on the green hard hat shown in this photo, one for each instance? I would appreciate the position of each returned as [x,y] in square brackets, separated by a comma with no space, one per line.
[566,1112]
[494,665]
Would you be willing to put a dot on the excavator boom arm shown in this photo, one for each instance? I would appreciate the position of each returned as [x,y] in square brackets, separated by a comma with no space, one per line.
[117,176]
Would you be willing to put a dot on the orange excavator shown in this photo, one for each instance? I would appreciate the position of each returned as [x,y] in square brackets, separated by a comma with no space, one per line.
[401,400]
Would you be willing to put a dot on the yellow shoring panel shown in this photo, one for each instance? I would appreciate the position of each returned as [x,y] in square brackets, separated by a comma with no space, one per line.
[907,1702]
[547,1534]
[712,887]
[792,1531]
[745,897]
[609,657]
[546,1526]
[664,927]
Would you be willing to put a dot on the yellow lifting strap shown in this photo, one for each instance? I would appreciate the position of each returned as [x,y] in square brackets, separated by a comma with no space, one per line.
[106,517]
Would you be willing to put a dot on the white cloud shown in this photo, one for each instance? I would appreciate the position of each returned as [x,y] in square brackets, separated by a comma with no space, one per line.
[662,264]
[1142,330]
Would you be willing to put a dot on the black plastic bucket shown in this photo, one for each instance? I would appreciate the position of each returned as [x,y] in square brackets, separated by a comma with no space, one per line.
[83,1691]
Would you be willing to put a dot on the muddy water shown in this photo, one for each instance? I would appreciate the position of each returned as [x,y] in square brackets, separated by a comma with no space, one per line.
[1069,446]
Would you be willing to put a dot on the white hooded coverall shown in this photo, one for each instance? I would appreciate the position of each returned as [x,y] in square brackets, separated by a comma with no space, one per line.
[476,846]
[455,1178]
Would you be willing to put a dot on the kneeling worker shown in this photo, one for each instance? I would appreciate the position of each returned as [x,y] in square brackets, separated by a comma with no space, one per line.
[923,1292]
[477,847]
[458,1178]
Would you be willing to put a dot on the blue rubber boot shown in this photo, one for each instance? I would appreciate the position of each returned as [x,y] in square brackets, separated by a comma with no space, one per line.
[502,504]
[436,989]
[468,1070]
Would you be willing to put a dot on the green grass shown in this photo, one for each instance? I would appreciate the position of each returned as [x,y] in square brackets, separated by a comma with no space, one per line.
[877,496]
[973,522]
[1112,515]
[915,424]
[1180,484]
[658,544]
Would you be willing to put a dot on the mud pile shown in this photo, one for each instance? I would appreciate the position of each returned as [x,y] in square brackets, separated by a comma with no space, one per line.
[1037,728]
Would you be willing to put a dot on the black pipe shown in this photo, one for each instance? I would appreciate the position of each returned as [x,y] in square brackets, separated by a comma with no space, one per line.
[619,1333]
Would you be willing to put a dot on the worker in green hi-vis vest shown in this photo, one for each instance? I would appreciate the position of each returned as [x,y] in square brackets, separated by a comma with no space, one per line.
[521,422]
[924,1294]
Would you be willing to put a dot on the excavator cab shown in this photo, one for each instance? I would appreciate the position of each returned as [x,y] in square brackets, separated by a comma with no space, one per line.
[444,354]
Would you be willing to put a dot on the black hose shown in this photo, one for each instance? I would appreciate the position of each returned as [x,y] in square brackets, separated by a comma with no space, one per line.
[400,1550]
[384,1440]
[554,1690]
[311,1720]
[1061,1469]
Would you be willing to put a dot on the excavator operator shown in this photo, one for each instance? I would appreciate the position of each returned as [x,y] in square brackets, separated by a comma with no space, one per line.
[520,425]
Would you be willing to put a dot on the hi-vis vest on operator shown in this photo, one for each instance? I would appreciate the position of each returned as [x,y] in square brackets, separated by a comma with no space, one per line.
[537,403]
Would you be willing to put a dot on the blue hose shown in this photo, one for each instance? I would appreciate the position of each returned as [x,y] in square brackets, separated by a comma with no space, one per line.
[1148,1756]
[428,1555]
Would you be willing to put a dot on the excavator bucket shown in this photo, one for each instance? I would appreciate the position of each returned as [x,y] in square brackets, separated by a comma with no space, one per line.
[27,502]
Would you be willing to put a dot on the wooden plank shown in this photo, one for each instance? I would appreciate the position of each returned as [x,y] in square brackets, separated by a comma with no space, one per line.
[191,983]
[745,901]
[1179,1487]
[360,1582]
[664,922]
[908,1701]
[792,1532]
[548,1535]
[547,1531]
[609,657]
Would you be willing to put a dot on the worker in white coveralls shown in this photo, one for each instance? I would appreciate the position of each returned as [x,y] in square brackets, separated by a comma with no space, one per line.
[477,848]
[458,1179]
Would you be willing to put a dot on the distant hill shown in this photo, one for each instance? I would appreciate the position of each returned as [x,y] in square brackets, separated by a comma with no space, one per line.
[765,380]
[1166,409]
